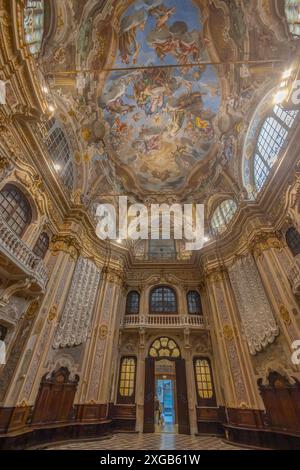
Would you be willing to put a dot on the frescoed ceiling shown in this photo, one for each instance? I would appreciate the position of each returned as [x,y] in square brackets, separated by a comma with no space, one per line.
[158,91]
[161,120]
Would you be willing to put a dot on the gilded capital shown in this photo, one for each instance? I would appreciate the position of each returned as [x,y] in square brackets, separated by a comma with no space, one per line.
[65,244]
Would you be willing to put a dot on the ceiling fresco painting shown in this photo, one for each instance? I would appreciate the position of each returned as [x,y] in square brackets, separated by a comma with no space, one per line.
[161,120]
[159,94]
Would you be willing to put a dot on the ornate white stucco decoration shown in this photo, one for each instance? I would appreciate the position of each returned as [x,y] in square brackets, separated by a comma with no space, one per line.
[256,314]
[74,323]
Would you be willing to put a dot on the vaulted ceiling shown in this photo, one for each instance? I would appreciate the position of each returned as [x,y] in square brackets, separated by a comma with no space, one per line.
[158,94]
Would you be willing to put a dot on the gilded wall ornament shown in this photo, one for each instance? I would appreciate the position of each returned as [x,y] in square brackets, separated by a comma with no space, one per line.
[285,315]
[114,275]
[76,316]
[32,309]
[256,314]
[228,333]
[65,244]
[103,331]
[52,313]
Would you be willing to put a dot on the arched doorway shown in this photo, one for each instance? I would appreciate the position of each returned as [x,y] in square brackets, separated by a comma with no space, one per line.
[165,379]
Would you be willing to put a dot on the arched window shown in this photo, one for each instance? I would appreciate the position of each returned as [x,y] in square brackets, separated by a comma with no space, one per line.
[194,303]
[34,24]
[271,139]
[223,216]
[59,150]
[126,391]
[42,245]
[293,240]
[15,209]
[133,303]
[204,382]
[163,300]
[292,11]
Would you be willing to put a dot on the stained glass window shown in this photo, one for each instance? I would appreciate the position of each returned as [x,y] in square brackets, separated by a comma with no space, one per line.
[133,303]
[271,139]
[15,209]
[42,245]
[163,300]
[204,383]
[59,150]
[223,216]
[164,347]
[34,25]
[194,303]
[127,377]
[293,241]
[292,11]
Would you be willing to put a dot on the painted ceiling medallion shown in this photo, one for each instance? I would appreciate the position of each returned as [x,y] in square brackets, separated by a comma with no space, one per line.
[161,120]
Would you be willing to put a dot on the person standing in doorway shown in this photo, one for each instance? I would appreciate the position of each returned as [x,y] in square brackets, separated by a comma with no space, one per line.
[157,411]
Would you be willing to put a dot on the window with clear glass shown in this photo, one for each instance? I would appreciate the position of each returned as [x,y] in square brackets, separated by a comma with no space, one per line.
[59,150]
[42,245]
[34,25]
[3,332]
[204,382]
[194,303]
[15,209]
[223,216]
[163,300]
[127,378]
[164,249]
[133,303]
[293,241]
[271,139]
[292,11]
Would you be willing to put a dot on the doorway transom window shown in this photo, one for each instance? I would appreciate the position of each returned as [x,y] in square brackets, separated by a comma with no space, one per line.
[164,347]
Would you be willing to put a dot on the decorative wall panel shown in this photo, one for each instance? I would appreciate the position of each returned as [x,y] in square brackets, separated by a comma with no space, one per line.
[256,314]
[74,323]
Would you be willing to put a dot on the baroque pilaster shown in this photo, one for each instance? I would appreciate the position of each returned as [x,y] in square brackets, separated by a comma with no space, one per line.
[230,349]
[99,358]
[274,260]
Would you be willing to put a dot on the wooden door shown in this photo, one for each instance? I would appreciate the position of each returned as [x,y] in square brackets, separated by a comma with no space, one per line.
[182,399]
[149,395]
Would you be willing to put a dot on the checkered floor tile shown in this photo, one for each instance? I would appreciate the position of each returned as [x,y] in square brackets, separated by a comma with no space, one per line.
[149,442]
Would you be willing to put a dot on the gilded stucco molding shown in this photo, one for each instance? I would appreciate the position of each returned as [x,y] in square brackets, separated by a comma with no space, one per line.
[65,244]
[264,241]
[257,317]
[113,275]
[32,309]
[285,315]
[216,274]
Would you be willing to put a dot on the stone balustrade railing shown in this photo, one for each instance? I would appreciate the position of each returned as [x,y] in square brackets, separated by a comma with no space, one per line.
[170,321]
[294,275]
[19,253]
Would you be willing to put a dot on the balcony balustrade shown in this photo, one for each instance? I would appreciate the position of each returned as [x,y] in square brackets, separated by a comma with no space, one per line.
[13,248]
[167,321]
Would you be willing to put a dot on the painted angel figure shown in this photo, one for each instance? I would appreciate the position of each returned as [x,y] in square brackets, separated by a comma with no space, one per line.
[162,15]
[128,44]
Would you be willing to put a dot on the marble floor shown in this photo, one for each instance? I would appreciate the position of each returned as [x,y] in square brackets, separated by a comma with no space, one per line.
[149,442]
